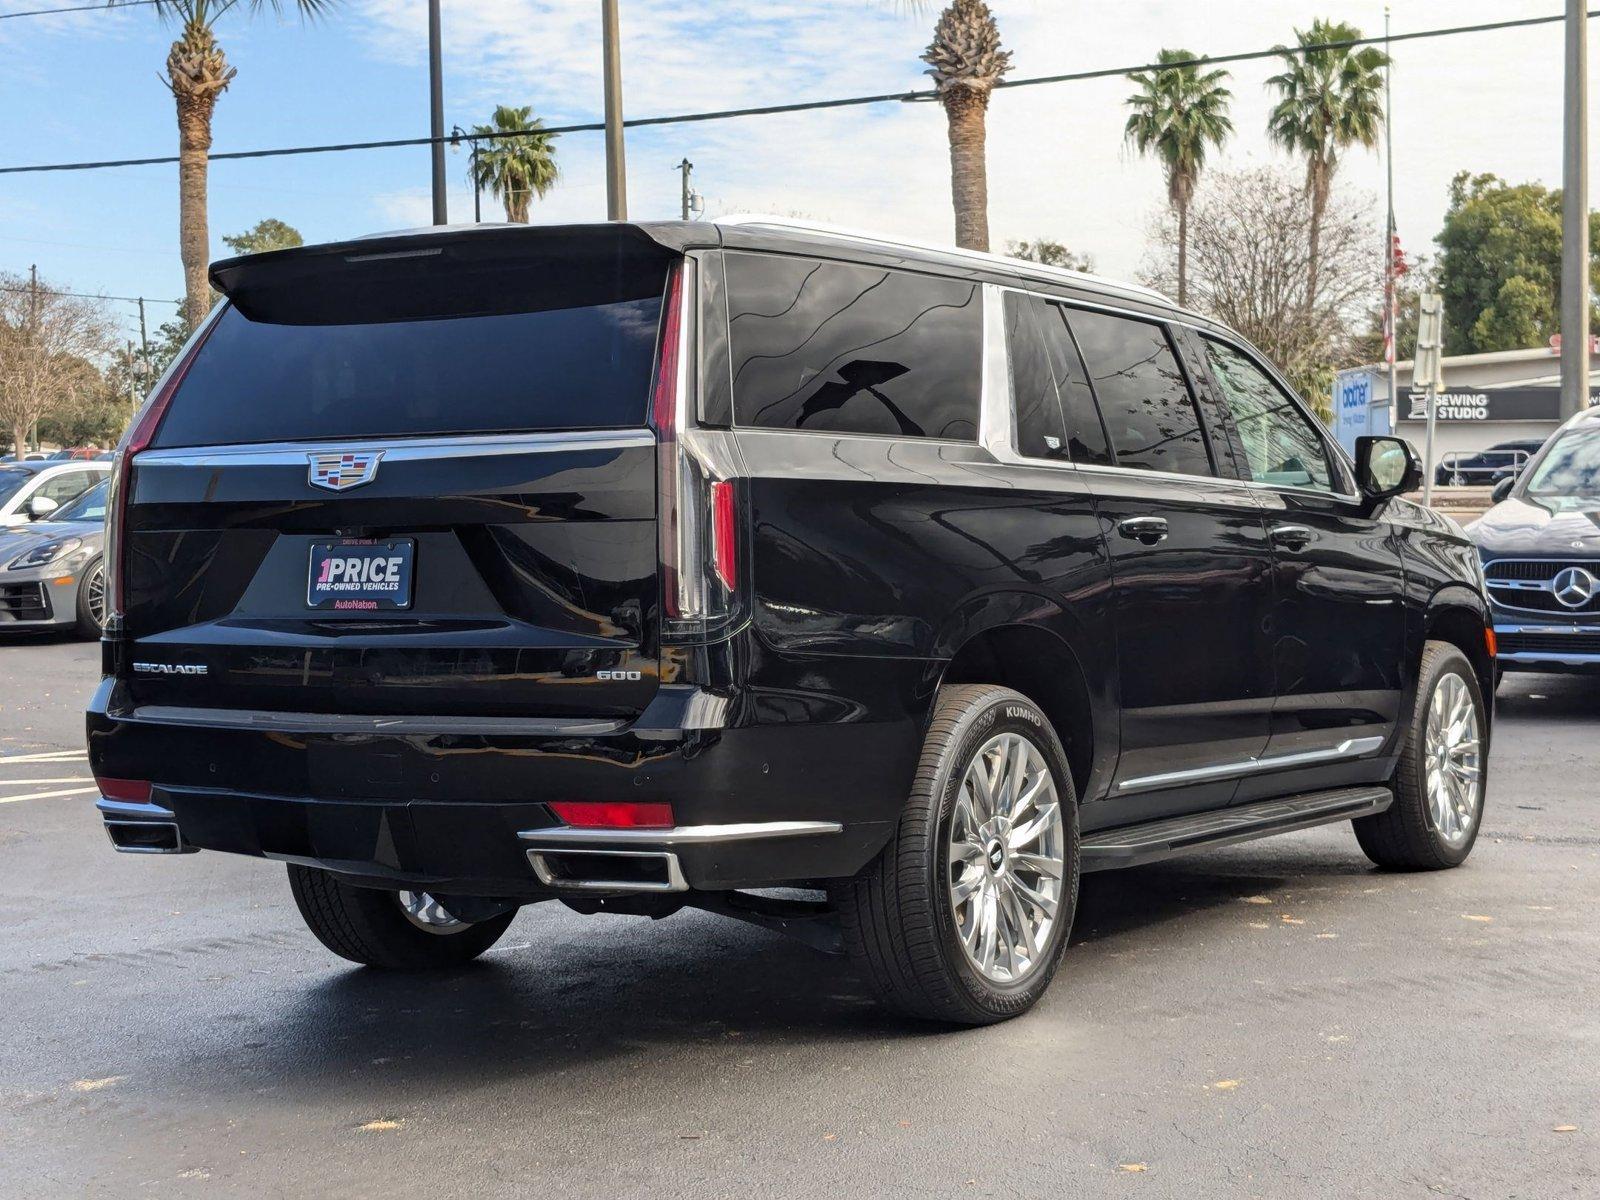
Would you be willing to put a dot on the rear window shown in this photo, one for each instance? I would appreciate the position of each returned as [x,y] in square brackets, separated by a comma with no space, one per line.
[846,348]
[258,380]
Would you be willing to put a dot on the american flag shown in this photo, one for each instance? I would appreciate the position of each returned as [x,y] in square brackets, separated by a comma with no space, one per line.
[1393,269]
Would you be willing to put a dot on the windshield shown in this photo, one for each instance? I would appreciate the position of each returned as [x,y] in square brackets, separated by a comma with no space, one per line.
[91,506]
[1571,467]
[12,482]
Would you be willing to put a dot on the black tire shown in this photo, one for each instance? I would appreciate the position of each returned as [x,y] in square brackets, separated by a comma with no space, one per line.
[1404,836]
[368,926]
[899,923]
[88,624]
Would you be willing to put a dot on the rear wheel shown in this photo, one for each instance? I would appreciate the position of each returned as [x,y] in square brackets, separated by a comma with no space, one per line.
[400,931]
[92,600]
[1439,781]
[964,915]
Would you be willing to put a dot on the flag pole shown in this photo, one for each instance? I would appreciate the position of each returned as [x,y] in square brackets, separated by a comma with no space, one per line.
[1391,296]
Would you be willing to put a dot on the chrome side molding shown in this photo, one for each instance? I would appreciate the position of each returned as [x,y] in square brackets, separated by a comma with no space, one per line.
[1349,748]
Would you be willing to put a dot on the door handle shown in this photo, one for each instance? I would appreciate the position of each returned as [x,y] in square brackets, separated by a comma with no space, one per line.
[1295,537]
[1148,530]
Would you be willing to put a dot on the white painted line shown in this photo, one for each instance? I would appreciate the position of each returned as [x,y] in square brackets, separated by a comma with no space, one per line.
[60,779]
[43,757]
[47,795]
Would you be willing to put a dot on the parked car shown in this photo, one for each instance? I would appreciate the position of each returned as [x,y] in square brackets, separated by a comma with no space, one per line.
[1540,546]
[52,572]
[90,452]
[638,566]
[1487,467]
[31,490]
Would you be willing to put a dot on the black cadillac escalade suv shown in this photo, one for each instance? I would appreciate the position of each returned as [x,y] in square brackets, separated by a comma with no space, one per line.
[643,565]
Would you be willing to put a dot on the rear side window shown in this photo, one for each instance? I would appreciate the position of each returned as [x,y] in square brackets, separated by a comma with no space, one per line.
[844,348]
[583,367]
[1149,414]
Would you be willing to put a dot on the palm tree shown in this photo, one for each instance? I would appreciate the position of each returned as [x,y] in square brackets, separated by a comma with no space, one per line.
[514,168]
[197,75]
[1328,100]
[1177,113]
[966,63]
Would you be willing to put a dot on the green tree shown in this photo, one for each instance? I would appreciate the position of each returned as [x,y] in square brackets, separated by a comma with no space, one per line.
[267,234]
[1050,253]
[1500,264]
[197,74]
[1328,100]
[1177,114]
[515,169]
[966,62]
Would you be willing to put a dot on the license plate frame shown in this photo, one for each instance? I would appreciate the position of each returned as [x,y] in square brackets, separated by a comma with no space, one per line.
[388,588]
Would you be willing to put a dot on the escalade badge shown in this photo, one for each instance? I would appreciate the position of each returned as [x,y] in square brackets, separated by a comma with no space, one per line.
[1574,587]
[337,472]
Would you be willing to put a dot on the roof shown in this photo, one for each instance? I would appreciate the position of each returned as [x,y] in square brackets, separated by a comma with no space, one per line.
[489,239]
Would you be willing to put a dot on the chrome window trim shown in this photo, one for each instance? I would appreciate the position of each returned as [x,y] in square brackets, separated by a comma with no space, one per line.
[1349,748]
[400,449]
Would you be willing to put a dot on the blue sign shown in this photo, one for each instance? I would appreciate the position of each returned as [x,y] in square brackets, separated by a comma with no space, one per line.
[1354,413]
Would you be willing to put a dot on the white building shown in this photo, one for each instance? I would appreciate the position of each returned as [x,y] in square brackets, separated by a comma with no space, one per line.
[1489,399]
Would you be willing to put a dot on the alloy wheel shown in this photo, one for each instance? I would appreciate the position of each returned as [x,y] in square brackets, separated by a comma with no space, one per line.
[427,914]
[1007,858]
[1452,760]
[95,594]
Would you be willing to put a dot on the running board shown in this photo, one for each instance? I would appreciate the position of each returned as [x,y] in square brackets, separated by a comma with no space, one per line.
[1134,844]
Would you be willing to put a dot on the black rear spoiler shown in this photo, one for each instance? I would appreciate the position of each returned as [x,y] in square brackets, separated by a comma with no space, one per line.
[456,271]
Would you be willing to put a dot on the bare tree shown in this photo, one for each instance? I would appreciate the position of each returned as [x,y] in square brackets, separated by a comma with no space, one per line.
[49,347]
[1249,248]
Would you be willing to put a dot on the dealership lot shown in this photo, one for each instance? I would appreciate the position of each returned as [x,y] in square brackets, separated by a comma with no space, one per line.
[1276,1019]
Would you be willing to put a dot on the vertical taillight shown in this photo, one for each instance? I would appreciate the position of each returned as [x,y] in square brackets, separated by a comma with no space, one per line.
[697,507]
[139,436]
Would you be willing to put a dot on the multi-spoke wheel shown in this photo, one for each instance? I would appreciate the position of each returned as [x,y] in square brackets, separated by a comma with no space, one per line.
[92,599]
[1439,780]
[1007,858]
[964,915]
[404,931]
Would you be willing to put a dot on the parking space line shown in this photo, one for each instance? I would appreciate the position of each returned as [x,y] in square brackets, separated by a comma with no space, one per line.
[57,779]
[48,756]
[48,795]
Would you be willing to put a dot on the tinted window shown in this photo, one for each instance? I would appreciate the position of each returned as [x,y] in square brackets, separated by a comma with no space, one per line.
[844,348]
[585,367]
[1086,435]
[91,506]
[1280,445]
[12,482]
[1149,414]
[1572,466]
[1040,430]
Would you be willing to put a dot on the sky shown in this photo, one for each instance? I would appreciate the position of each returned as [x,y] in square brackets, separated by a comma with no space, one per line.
[87,86]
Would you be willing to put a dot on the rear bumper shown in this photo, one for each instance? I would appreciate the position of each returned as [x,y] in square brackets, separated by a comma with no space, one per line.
[455,808]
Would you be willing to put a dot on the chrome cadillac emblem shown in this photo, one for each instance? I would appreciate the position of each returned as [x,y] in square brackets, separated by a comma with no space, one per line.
[1574,587]
[341,471]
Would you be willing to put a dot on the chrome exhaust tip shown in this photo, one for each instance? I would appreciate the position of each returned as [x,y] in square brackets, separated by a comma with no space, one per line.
[590,870]
[147,837]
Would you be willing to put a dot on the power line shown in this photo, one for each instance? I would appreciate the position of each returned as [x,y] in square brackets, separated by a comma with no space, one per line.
[93,295]
[805,105]
[52,12]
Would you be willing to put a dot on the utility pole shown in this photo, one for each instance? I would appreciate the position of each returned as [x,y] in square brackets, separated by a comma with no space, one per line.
[1427,371]
[144,348]
[684,169]
[1575,218]
[33,297]
[1391,284]
[441,208]
[616,162]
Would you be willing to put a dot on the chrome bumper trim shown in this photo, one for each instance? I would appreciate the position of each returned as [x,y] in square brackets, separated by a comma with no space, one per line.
[568,837]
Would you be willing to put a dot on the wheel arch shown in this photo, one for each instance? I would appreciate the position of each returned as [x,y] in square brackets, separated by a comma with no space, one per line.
[1034,646]
[1458,615]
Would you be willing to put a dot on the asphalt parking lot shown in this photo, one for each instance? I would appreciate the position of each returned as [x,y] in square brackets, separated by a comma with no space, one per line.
[1276,1020]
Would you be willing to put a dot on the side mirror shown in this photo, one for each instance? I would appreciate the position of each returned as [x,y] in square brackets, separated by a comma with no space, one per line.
[40,507]
[1387,466]
[1503,488]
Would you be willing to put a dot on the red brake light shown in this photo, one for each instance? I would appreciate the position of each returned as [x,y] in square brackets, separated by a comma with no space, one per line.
[133,791]
[724,541]
[613,815]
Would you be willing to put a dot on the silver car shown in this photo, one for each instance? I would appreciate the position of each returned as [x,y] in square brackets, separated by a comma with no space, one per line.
[52,571]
